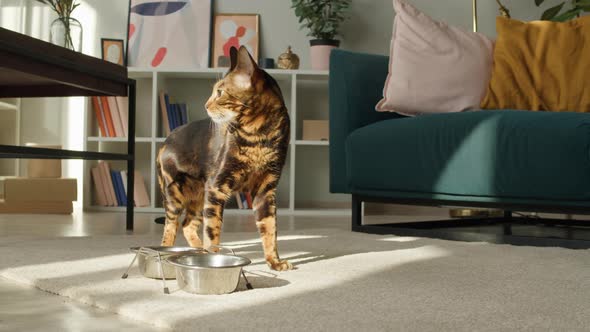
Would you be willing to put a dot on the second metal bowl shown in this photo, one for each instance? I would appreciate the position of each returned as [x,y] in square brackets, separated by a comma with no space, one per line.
[149,266]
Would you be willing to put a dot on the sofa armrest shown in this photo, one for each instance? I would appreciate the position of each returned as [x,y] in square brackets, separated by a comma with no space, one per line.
[356,85]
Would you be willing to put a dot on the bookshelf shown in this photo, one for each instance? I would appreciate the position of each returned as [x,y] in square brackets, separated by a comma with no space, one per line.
[303,188]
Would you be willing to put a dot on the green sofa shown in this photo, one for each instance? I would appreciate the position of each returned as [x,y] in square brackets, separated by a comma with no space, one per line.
[506,159]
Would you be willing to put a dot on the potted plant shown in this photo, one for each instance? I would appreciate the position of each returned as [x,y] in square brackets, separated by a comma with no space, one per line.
[322,18]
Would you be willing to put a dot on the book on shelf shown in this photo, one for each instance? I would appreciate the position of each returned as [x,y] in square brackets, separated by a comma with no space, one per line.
[173,114]
[239,200]
[117,180]
[183,113]
[124,179]
[99,116]
[99,190]
[108,183]
[118,185]
[171,121]
[164,112]
[116,118]
[123,107]
[111,115]
[249,200]
[121,188]
[242,200]
[108,116]
[140,194]
[175,111]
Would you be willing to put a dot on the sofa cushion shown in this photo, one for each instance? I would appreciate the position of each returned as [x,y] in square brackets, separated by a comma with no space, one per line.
[422,53]
[510,154]
[541,65]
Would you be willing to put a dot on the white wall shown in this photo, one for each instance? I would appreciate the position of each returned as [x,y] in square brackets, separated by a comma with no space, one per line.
[367,30]
[57,120]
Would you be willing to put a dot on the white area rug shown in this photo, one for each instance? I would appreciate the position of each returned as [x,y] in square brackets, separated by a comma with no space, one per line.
[344,282]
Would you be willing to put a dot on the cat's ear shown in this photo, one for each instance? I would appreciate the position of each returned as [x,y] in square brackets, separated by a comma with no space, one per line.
[245,68]
[233,56]
[245,63]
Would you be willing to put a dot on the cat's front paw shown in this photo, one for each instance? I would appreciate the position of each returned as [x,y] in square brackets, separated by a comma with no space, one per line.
[280,265]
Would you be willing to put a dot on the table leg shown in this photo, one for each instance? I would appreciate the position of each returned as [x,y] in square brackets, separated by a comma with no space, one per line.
[131,161]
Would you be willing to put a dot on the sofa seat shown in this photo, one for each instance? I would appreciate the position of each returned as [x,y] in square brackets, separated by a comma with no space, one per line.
[489,153]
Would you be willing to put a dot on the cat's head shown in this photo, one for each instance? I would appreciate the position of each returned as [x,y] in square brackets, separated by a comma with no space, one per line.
[246,91]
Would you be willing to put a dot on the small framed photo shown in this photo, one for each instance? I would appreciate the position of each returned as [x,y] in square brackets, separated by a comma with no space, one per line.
[234,30]
[112,50]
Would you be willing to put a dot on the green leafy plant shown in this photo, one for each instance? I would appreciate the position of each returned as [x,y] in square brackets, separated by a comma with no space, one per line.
[558,14]
[321,17]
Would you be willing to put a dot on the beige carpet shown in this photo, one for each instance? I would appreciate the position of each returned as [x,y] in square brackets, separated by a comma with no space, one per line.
[344,282]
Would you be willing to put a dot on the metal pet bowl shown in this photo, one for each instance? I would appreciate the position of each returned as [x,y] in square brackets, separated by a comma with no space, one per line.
[209,273]
[148,260]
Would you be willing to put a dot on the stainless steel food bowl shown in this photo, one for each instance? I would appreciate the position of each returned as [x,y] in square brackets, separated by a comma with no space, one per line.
[149,266]
[208,273]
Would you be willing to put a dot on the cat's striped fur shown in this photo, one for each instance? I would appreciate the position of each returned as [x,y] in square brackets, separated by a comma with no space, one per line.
[242,147]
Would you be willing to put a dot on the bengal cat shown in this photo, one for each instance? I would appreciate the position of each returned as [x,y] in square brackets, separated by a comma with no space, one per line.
[242,147]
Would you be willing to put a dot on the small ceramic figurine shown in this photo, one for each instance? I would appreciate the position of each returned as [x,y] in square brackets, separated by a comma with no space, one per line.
[288,60]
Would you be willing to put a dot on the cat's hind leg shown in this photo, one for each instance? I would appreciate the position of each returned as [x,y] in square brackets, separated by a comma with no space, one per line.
[173,205]
[194,217]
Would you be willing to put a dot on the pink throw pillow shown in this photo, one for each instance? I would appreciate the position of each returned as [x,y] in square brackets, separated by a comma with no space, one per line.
[433,67]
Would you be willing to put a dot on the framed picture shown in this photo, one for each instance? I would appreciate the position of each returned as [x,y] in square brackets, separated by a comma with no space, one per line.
[234,30]
[169,33]
[112,50]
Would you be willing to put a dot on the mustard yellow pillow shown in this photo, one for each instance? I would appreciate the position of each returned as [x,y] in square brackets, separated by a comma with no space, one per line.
[541,65]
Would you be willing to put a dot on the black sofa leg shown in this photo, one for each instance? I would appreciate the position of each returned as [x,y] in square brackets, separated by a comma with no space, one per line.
[507,225]
[357,213]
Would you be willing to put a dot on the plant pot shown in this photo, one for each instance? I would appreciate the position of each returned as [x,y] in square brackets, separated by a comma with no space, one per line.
[320,52]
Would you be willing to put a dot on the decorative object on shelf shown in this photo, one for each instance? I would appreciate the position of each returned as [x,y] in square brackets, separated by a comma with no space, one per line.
[322,19]
[288,60]
[169,33]
[266,63]
[223,61]
[235,30]
[555,13]
[112,50]
[65,30]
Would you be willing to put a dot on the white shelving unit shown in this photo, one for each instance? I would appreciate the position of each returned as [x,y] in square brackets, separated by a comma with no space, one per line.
[10,133]
[307,163]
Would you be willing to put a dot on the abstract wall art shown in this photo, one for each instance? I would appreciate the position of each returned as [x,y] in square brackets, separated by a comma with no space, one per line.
[169,33]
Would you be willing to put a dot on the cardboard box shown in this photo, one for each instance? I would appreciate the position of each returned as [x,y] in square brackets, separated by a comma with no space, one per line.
[36,207]
[44,168]
[316,130]
[47,190]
